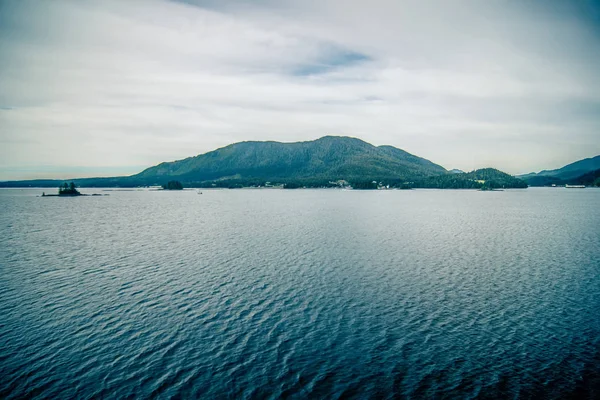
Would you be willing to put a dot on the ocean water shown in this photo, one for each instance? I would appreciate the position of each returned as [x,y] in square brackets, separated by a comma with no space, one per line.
[300,294]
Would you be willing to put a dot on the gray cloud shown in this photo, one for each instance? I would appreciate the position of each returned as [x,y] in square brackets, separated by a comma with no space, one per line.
[109,85]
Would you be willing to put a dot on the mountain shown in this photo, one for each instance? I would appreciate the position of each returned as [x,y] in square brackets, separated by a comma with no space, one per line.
[317,162]
[314,163]
[565,175]
[456,171]
[575,169]
[486,178]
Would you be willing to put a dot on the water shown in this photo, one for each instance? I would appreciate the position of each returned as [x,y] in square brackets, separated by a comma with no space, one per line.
[295,294]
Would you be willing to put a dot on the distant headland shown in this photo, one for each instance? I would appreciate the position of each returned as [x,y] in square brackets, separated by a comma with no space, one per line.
[331,161]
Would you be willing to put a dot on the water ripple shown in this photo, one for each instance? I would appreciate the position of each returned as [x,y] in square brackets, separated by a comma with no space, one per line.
[296,294]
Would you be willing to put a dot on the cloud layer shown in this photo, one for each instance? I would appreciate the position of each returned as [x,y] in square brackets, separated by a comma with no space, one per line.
[102,88]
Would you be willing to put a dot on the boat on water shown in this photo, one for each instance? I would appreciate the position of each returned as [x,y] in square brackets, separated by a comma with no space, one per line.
[575,186]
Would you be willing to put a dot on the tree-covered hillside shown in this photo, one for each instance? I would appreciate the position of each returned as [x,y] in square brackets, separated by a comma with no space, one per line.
[590,179]
[487,178]
[311,163]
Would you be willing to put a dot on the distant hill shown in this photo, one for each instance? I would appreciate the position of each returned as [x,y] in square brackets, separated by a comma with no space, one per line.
[323,162]
[456,171]
[486,178]
[591,178]
[565,175]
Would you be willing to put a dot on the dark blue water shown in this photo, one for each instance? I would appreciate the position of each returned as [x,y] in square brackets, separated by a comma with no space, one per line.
[295,294]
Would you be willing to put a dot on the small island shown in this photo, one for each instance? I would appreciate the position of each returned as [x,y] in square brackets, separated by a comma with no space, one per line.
[69,190]
[173,185]
[66,189]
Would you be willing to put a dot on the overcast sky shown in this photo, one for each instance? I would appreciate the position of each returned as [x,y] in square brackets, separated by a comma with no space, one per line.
[104,88]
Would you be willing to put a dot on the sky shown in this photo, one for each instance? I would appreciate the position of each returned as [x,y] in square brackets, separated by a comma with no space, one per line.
[106,88]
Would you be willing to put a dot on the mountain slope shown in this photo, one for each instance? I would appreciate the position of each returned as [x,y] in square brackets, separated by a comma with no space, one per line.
[575,169]
[565,174]
[591,178]
[325,159]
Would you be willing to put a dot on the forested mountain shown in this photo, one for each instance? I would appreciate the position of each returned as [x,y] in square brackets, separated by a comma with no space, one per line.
[323,162]
[327,159]
[566,175]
